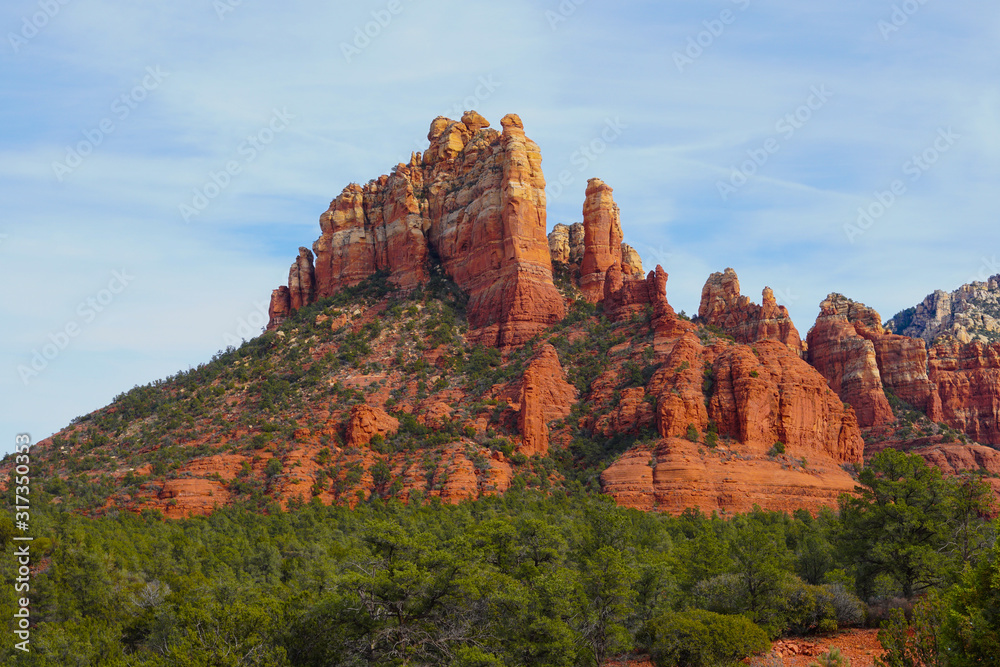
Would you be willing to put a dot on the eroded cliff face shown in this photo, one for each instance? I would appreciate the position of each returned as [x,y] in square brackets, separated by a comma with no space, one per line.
[720,409]
[723,306]
[848,360]
[967,378]
[475,202]
[602,239]
[545,395]
[954,383]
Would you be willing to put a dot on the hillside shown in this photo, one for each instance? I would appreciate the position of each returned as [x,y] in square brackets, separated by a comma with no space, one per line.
[436,343]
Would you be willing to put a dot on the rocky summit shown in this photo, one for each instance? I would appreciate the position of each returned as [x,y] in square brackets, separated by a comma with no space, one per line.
[436,343]
[472,205]
[970,313]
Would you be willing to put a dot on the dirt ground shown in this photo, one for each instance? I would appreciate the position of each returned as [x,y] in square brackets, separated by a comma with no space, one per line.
[860,646]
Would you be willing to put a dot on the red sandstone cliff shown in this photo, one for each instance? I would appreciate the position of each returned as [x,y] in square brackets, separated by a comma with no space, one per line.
[967,378]
[723,306]
[475,201]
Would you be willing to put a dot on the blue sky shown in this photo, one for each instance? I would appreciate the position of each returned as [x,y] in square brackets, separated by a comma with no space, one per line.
[114,114]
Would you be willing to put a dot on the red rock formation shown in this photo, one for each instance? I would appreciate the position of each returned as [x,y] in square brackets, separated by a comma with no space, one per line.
[967,378]
[301,280]
[545,396]
[851,349]
[902,364]
[675,474]
[367,421]
[475,200]
[774,396]
[848,362]
[751,398]
[507,274]
[723,306]
[625,296]
[602,239]
[279,309]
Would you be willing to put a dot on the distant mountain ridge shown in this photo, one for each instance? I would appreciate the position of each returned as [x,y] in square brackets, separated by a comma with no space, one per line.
[970,313]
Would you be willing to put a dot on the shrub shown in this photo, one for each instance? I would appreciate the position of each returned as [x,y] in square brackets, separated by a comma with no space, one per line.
[273,467]
[776,449]
[692,433]
[832,658]
[700,638]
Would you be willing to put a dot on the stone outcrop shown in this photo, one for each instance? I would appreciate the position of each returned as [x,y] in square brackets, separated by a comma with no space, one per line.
[280,307]
[953,382]
[545,396]
[774,396]
[972,312]
[631,262]
[625,296]
[602,239]
[848,362]
[567,246]
[860,360]
[475,202]
[747,401]
[675,474]
[566,243]
[366,422]
[723,305]
[302,280]
[967,380]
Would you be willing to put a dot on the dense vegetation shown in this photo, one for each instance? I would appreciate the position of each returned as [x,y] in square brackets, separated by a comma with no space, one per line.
[524,579]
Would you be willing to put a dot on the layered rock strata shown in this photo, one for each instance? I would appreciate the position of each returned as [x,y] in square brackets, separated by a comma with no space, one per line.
[474,202]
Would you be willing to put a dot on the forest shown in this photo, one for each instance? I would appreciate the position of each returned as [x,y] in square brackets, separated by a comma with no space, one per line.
[529,578]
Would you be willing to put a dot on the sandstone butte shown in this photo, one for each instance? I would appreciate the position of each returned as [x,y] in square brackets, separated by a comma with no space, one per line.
[474,201]
[705,421]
